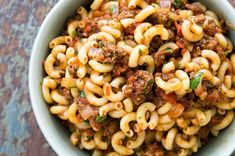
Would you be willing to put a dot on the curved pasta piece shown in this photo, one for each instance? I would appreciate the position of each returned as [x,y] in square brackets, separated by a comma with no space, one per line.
[214,57]
[82,54]
[99,67]
[132,144]
[171,85]
[144,13]
[117,146]
[57,97]
[181,142]
[153,31]
[171,45]
[140,30]
[47,84]
[95,100]
[103,110]
[99,142]
[141,111]
[86,143]
[124,123]
[226,105]
[191,31]
[147,60]
[185,81]
[168,141]
[185,60]
[226,121]
[110,95]
[136,53]
[102,36]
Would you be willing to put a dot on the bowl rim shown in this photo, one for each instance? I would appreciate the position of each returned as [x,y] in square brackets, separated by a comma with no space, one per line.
[32,93]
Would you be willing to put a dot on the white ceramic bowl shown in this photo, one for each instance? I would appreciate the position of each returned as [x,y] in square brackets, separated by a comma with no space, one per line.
[54,132]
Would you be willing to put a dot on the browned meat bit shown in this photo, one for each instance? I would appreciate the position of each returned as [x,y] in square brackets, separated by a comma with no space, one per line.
[91,27]
[216,120]
[139,84]
[171,97]
[199,19]
[67,94]
[85,109]
[166,76]
[121,66]
[171,34]
[181,42]
[88,112]
[195,7]
[111,127]
[162,16]
[126,13]
[130,29]
[208,43]
[155,44]
[213,96]
[160,57]
[106,53]
[211,28]
[153,149]
[196,52]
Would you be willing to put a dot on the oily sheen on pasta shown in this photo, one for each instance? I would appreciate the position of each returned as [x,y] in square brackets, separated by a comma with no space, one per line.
[142,77]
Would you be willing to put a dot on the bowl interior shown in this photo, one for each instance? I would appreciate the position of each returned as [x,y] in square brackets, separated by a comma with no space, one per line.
[54,132]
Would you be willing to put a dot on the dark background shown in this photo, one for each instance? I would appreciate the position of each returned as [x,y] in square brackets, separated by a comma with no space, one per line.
[19,23]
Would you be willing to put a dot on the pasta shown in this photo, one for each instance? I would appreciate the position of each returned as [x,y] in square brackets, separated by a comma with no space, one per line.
[141,77]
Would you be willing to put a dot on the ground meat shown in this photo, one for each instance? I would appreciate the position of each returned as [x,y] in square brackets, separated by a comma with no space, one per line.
[67,94]
[216,120]
[211,28]
[155,44]
[139,84]
[196,52]
[181,42]
[94,125]
[106,53]
[162,16]
[171,97]
[208,43]
[199,19]
[195,7]
[121,66]
[214,96]
[130,29]
[111,127]
[151,1]
[160,57]
[166,76]
[91,27]
[127,13]
[171,34]
[154,149]
[85,109]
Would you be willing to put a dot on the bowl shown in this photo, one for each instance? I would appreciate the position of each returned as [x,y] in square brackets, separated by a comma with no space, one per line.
[52,129]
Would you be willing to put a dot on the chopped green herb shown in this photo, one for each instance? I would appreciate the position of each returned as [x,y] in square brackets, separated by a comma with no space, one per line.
[170,50]
[177,3]
[100,119]
[86,121]
[149,83]
[101,43]
[196,80]
[74,33]
[178,65]
[140,51]
[113,9]
[82,94]
[89,138]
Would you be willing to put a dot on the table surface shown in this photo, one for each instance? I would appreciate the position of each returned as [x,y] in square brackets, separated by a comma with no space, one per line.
[19,132]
